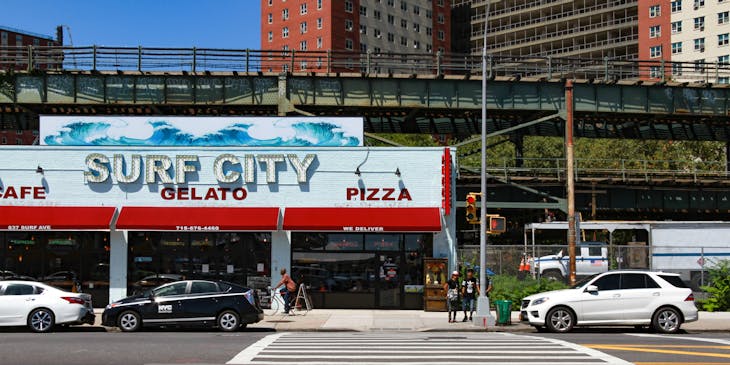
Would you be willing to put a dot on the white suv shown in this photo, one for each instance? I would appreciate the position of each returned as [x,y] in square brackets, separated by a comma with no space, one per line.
[627,297]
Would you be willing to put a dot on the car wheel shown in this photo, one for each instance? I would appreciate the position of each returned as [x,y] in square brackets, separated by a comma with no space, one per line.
[129,321]
[228,321]
[560,320]
[666,320]
[554,275]
[41,320]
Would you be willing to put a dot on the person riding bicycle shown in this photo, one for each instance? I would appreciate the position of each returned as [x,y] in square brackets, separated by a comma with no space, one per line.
[288,291]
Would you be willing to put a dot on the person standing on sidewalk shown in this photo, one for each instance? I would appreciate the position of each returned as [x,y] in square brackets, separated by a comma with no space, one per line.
[290,287]
[451,288]
[469,293]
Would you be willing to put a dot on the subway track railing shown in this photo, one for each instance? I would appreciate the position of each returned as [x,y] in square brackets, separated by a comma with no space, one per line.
[625,170]
[201,60]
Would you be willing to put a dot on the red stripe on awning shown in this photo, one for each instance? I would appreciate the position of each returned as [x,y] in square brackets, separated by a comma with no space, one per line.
[197,219]
[363,219]
[54,218]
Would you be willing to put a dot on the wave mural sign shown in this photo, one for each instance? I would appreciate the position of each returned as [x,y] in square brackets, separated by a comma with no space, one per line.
[200,131]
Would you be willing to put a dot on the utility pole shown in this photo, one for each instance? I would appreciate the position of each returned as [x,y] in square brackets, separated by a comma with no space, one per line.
[570,163]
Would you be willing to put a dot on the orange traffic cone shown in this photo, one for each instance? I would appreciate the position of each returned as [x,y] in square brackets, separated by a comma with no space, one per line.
[522,264]
[527,264]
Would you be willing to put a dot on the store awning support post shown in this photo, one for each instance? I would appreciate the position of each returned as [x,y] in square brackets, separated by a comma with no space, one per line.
[570,164]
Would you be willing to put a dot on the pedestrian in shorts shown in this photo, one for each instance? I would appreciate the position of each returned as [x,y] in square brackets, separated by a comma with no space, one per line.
[451,288]
[469,293]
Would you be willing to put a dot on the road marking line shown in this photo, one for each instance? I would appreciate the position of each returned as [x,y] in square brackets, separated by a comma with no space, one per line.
[422,363]
[411,350]
[679,362]
[659,351]
[250,352]
[578,356]
[688,338]
[663,346]
[588,351]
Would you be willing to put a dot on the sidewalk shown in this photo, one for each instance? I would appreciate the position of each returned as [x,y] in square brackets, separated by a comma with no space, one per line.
[414,320]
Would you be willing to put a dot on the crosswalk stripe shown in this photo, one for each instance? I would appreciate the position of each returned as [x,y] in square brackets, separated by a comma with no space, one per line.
[382,349]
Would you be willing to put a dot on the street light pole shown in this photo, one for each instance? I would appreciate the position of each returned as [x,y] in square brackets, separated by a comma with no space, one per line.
[483,301]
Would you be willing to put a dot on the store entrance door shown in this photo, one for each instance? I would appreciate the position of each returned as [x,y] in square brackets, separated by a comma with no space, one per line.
[389,288]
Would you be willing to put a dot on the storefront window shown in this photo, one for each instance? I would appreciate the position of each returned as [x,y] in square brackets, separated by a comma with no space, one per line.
[353,270]
[156,258]
[73,261]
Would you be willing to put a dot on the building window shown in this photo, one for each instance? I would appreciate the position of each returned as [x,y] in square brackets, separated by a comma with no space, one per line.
[416,44]
[391,19]
[655,31]
[677,27]
[348,44]
[377,15]
[348,25]
[441,35]
[303,45]
[416,27]
[285,67]
[416,10]
[403,6]
[271,2]
[319,23]
[404,24]
[271,36]
[699,23]
[377,34]
[285,14]
[655,51]
[303,27]
[363,11]
[391,37]
[319,4]
[429,47]
[303,65]
[319,42]
[724,60]
[699,44]
[391,2]
[284,51]
[655,11]
[677,69]
[699,4]
[348,6]
[285,32]
[5,140]
[723,18]
[303,9]
[429,31]
[271,18]
[440,3]
[700,65]
[429,14]
[723,39]
[655,72]
[363,29]
[723,80]
[440,19]
[676,47]
[403,41]
[363,48]
[376,50]
[676,6]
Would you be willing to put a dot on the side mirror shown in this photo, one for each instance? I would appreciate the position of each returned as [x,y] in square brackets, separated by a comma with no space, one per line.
[591,289]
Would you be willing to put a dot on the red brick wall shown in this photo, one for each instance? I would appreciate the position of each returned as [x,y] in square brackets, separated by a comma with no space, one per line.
[645,42]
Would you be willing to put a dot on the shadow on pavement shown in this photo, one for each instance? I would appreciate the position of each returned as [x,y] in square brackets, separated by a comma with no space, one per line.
[61,329]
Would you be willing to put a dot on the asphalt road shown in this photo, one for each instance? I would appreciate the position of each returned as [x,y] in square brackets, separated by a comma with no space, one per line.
[94,345]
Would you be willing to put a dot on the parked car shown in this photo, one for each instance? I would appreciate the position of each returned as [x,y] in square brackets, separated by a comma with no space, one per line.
[153,281]
[41,307]
[629,297]
[187,303]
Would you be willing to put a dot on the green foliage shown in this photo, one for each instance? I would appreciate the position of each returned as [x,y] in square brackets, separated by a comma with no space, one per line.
[507,287]
[718,289]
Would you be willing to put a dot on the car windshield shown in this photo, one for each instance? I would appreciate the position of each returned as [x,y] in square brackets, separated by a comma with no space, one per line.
[583,282]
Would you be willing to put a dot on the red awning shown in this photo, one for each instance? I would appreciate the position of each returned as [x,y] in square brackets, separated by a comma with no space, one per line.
[363,219]
[197,219]
[54,218]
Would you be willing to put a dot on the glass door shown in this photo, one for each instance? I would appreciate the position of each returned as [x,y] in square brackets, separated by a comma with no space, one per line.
[389,288]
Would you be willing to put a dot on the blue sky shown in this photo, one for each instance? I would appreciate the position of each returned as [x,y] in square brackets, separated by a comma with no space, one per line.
[151,23]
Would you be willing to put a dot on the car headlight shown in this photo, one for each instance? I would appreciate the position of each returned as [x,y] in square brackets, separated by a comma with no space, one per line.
[539,301]
[111,305]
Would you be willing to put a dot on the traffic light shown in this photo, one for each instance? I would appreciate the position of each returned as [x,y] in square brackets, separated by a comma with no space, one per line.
[497,224]
[471,208]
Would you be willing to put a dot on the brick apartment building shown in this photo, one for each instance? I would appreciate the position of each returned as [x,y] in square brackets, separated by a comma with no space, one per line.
[348,28]
[690,34]
[14,49]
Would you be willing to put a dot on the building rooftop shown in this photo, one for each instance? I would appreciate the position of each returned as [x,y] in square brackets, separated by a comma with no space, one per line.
[37,35]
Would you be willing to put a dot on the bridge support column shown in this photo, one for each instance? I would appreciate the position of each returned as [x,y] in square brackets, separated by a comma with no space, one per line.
[570,177]
[518,140]
[727,156]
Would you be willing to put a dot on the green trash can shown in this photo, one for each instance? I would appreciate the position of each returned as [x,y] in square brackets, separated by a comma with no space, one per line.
[504,312]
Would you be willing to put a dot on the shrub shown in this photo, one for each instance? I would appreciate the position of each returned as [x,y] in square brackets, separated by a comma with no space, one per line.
[718,288]
[506,287]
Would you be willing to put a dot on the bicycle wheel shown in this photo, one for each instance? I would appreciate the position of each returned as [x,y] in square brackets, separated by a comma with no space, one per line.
[277,303]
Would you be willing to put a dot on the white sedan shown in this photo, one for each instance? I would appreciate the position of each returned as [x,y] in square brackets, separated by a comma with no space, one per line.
[40,306]
[629,297]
